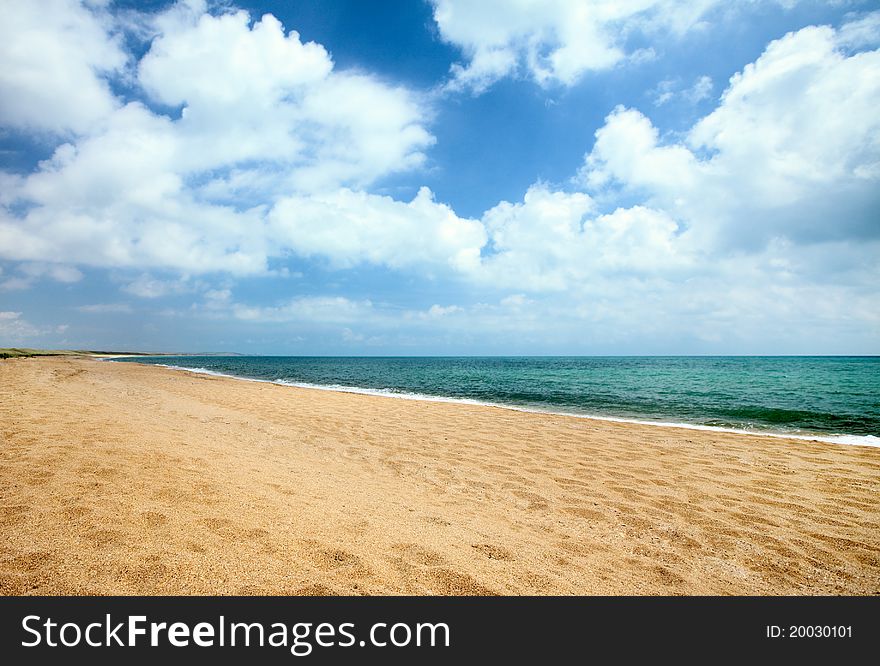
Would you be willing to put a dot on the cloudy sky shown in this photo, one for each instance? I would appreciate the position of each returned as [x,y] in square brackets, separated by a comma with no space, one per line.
[447,177]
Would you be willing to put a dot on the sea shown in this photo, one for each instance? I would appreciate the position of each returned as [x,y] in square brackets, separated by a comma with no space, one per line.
[830,398]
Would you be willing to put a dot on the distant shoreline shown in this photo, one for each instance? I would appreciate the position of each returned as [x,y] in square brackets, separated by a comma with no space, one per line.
[26,352]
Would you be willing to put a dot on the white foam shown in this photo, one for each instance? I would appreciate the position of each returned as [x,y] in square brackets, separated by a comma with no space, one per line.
[853,440]
[205,371]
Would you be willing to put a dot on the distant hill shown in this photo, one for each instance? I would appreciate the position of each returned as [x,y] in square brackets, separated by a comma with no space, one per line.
[23,352]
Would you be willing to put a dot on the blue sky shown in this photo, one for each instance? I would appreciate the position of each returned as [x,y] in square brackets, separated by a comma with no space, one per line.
[447,177]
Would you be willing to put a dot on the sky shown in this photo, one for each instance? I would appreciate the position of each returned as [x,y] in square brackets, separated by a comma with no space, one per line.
[453,177]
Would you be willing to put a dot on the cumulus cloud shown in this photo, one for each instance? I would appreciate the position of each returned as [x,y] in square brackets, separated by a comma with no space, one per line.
[154,191]
[792,151]
[760,201]
[55,57]
[557,241]
[558,41]
[554,41]
[350,228]
[262,113]
[254,93]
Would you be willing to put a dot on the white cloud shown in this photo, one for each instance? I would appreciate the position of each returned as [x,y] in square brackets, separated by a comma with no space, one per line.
[863,31]
[557,241]
[263,114]
[664,92]
[252,93]
[357,321]
[792,151]
[146,286]
[54,56]
[207,60]
[669,89]
[760,202]
[15,330]
[105,308]
[16,284]
[309,310]
[217,298]
[30,273]
[351,227]
[443,310]
[58,272]
[702,89]
[554,41]
[149,191]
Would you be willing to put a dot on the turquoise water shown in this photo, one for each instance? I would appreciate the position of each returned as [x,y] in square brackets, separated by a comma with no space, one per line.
[829,396]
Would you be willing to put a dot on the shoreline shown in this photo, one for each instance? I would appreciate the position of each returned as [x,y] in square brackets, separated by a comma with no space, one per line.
[841,439]
[123,479]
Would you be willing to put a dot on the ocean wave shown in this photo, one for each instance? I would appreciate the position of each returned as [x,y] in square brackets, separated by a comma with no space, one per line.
[853,440]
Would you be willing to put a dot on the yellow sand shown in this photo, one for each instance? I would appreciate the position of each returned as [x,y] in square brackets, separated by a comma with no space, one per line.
[118,478]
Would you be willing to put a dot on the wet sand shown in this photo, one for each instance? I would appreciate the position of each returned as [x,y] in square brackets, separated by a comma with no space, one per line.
[128,479]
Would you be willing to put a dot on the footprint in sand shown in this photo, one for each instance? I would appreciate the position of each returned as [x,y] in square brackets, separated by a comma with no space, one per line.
[586,514]
[455,583]
[532,501]
[314,590]
[153,518]
[493,552]
[413,553]
[101,538]
[11,515]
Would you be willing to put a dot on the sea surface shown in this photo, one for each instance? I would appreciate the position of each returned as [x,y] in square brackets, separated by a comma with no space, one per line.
[824,397]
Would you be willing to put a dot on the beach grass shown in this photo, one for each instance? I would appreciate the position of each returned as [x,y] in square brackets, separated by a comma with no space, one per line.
[26,352]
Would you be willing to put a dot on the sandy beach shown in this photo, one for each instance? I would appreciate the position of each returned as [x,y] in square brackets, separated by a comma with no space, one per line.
[130,479]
